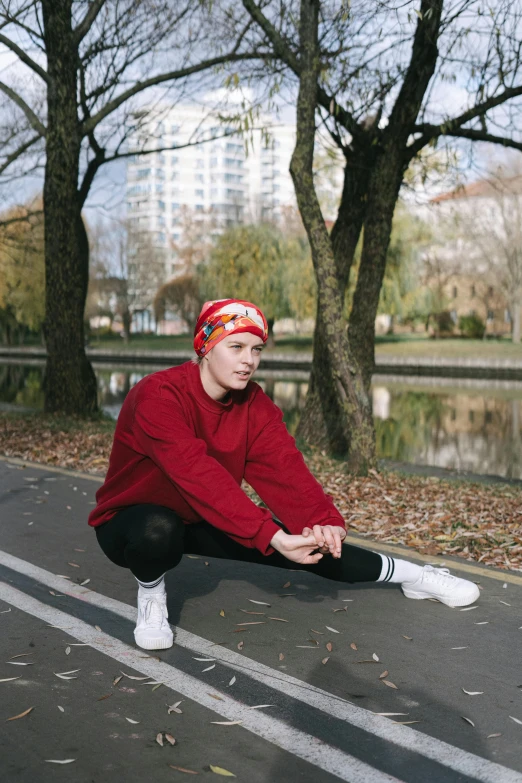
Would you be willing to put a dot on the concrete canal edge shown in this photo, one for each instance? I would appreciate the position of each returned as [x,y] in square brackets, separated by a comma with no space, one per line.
[447,367]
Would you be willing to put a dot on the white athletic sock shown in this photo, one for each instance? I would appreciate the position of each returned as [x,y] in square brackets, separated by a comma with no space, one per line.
[398,571]
[157,586]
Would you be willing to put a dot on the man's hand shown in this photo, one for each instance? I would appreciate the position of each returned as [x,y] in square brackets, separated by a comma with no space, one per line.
[299,549]
[328,538]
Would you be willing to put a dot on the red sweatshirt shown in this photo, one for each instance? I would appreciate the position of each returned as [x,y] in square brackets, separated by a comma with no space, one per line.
[175,446]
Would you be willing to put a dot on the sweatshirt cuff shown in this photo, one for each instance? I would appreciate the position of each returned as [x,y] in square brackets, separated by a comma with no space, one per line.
[264,536]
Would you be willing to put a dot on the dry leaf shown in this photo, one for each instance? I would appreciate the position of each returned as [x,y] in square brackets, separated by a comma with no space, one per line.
[209,668]
[63,677]
[132,721]
[280,619]
[60,708]
[9,679]
[205,660]
[331,629]
[182,769]
[306,647]
[405,722]
[516,720]
[67,650]
[107,696]
[486,622]
[175,708]
[312,630]
[505,603]
[344,609]
[132,677]
[261,706]
[215,696]
[116,681]
[468,608]
[281,657]
[74,565]
[285,595]
[170,739]
[226,722]
[325,660]
[159,739]
[375,657]
[22,714]
[287,584]
[390,684]
[493,735]
[240,645]
[85,582]
[257,622]
[4,611]
[459,648]
[383,675]
[467,720]
[21,663]
[329,646]
[232,681]
[20,655]
[261,603]
[473,693]
[262,614]
[222,613]
[156,686]
[389,714]
[409,638]
[73,671]
[60,761]
[97,628]
[353,646]
[221,771]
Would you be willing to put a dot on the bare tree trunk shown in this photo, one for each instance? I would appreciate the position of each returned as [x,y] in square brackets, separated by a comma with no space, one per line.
[346,393]
[126,320]
[70,383]
[515,314]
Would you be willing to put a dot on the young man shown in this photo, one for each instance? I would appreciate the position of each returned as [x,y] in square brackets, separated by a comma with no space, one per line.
[185,439]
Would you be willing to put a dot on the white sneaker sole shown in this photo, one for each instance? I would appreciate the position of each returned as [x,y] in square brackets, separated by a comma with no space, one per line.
[160,643]
[448,601]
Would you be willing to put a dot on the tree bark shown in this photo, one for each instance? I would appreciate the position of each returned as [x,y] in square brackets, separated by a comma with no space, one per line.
[345,394]
[70,383]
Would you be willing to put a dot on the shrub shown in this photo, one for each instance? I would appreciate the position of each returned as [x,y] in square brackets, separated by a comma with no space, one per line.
[472,326]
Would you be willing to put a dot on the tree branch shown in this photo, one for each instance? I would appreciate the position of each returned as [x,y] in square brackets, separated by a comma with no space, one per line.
[88,20]
[24,57]
[29,113]
[92,122]
[16,154]
[285,53]
[431,132]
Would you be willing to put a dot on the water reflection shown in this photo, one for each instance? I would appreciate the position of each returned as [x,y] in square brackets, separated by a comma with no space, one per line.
[467,425]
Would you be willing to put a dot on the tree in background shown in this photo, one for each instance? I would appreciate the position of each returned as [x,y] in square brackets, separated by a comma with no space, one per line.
[259,263]
[22,272]
[377,76]
[81,73]
[182,296]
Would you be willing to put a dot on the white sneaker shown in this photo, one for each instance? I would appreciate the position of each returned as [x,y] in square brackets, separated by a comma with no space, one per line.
[440,584]
[153,631]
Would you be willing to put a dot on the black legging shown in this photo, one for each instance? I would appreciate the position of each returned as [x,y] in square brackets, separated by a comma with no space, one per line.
[152,539]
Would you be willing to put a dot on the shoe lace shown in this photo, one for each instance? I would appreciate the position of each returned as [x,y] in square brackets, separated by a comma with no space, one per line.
[153,613]
[440,575]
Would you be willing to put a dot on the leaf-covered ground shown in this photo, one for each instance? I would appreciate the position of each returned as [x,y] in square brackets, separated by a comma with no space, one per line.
[474,521]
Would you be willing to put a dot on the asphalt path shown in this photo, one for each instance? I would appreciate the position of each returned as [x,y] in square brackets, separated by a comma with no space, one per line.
[321,722]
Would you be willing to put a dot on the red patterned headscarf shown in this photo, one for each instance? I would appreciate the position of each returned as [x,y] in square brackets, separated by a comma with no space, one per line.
[223,317]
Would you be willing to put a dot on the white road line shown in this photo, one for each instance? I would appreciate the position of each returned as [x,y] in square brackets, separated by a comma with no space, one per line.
[442,752]
[304,746]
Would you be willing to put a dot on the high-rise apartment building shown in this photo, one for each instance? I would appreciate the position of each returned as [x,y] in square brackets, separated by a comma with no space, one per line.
[214,183]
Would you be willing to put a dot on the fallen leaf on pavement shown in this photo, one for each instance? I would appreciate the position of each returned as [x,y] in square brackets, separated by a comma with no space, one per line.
[261,706]
[280,619]
[467,720]
[227,722]
[287,584]
[325,660]
[383,675]
[390,684]
[132,677]
[159,739]
[261,603]
[221,771]
[60,708]
[389,714]
[209,668]
[170,739]
[20,655]
[353,646]
[60,761]
[473,693]
[132,721]
[22,714]
[175,708]
[117,679]
[329,646]
[21,663]
[331,629]
[9,679]
[468,608]
[281,657]
[405,722]
[232,681]
[205,660]
[240,645]
[222,613]
[516,720]
[375,657]
[493,735]
[409,638]
[182,769]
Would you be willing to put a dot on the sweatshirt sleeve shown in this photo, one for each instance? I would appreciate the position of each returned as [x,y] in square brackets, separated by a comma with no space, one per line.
[163,435]
[276,469]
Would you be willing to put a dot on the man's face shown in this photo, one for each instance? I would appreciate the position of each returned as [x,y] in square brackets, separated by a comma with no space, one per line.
[233,361]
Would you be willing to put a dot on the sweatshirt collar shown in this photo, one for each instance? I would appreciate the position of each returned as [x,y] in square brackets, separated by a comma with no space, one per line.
[204,399]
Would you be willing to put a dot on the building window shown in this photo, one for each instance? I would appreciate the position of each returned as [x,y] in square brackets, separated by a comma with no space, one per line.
[455,292]
[507,317]
[200,178]
[174,129]
[491,315]
[453,313]
[199,207]
[175,206]
[199,193]
[200,163]
[174,160]
[159,188]
[174,175]
[142,173]
[161,205]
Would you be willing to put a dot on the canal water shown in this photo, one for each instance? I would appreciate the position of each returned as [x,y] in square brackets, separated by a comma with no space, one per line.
[460,424]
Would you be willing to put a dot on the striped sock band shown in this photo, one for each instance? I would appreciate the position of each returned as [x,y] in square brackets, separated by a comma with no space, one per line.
[388,568]
[150,585]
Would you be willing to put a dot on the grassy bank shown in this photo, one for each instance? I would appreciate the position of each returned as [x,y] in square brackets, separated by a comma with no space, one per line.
[400,345]
[474,521]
